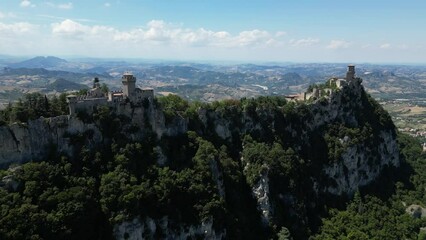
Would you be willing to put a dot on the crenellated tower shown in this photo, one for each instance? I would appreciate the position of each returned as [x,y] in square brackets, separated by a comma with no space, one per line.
[129,85]
[350,74]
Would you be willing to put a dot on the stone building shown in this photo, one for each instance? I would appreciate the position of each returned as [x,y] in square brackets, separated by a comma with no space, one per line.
[97,97]
[350,76]
[333,83]
[130,92]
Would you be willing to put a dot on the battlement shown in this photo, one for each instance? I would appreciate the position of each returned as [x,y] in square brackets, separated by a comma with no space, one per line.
[96,97]
[128,77]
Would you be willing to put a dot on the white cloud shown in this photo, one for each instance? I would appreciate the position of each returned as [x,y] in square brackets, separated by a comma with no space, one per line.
[157,31]
[107,4]
[385,46]
[156,38]
[203,37]
[26,3]
[20,37]
[280,34]
[253,37]
[69,27]
[65,6]
[304,42]
[338,44]
[72,29]
[20,27]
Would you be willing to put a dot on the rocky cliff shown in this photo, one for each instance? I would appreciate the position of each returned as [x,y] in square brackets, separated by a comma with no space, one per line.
[334,145]
[34,140]
[23,142]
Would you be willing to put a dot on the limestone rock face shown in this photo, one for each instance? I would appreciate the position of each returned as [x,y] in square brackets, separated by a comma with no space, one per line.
[32,141]
[261,193]
[148,228]
[9,181]
[362,163]
[178,125]
[22,142]
[358,168]
[416,211]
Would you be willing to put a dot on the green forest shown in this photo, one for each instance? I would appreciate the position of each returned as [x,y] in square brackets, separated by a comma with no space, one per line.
[84,196]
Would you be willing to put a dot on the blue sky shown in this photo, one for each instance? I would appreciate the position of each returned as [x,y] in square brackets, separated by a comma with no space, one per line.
[251,30]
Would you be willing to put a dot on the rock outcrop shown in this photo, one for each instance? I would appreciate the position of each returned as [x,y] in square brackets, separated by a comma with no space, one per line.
[149,228]
[357,170]
[22,142]
[261,193]
[416,211]
[34,140]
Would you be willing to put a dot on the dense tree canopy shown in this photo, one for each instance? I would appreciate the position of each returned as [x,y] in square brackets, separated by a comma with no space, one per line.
[33,106]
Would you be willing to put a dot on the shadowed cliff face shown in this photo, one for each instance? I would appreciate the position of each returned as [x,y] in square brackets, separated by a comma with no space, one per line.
[288,154]
[23,142]
[34,140]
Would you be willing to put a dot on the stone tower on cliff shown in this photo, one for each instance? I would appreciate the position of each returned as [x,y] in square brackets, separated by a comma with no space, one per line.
[350,74]
[129,85]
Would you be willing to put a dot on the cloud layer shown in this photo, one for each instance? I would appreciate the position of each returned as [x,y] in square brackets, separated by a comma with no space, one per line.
[18,28]
[160,32]
[161,39]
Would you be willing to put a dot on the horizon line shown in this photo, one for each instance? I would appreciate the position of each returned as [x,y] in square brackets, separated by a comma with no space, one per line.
[211,61]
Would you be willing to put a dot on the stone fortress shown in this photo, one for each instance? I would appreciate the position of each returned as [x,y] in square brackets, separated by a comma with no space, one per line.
[332,85]
[135,96]
[97,97]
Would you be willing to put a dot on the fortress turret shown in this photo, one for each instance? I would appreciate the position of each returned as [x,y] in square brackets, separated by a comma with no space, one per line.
[350,74]
[129,85]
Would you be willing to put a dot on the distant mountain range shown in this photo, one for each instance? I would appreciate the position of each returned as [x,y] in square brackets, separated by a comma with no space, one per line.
[39,62]
[44,73]
[206,82]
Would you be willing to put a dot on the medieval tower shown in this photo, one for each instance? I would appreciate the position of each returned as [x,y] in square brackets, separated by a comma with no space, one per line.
[129,85]
[350,74]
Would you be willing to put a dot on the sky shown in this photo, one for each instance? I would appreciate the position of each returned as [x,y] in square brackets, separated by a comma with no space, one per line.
[362,31]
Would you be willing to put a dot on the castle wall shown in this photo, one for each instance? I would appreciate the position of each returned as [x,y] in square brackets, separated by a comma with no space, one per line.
[88,105]
[147,93]
[115,99]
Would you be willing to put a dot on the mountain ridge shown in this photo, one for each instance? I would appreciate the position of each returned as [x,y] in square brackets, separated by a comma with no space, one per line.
[39,62]
[329,147]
